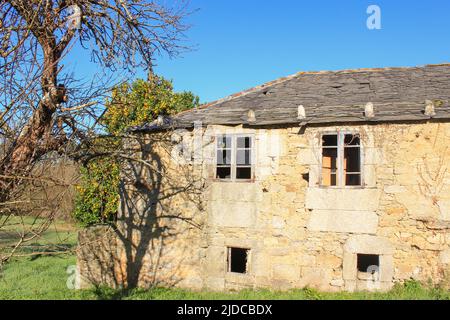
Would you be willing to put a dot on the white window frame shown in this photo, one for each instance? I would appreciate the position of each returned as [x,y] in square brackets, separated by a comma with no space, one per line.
[340,159]
[234,149]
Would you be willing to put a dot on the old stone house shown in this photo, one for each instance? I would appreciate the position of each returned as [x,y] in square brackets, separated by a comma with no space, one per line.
[333,180]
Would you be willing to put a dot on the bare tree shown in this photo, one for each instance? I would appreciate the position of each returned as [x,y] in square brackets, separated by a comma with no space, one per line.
[44,107]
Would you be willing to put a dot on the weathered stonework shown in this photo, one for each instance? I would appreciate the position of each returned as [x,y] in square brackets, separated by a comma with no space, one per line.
[176,225]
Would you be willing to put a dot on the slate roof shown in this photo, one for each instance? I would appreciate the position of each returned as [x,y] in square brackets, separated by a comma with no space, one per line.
[397,94]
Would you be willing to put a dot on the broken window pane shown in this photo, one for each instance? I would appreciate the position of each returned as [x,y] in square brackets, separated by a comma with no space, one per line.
[224,142]
[237,260]
[243,173]
[223,173]
[352,140]
[352,160]
[353,179]
[243,157]
[330,140]
[224,157]
[243,142]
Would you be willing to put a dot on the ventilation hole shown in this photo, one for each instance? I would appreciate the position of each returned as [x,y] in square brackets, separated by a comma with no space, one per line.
[368,263]
[237,260]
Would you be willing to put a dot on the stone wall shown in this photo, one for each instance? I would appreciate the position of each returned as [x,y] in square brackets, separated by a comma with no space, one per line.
[176,225]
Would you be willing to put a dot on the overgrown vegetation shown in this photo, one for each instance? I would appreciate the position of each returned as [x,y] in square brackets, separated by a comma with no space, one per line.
[130,105]
[97,198]
[143,101]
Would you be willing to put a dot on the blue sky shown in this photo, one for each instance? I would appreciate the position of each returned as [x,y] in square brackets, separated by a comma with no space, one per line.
[239,44]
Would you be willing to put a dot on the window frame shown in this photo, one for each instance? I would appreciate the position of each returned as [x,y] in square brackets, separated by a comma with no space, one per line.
[340,159]
[217,165]
[234,149]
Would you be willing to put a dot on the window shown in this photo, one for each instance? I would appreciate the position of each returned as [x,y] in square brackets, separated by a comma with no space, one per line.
[329,160]
[352,160]
[368,263]
[238,260]
[234,157]
[341,160]
[224,157]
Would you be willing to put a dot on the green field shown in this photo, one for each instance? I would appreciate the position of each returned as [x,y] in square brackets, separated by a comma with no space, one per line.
[46,277]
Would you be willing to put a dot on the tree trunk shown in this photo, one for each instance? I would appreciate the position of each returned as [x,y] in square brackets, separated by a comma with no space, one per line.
[34,139]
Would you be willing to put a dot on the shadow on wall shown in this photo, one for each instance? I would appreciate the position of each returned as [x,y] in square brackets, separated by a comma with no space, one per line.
[153,241]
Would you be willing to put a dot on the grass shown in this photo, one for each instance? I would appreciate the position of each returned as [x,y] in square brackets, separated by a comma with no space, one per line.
[401,292]
[46,277]
[58,234]
[39,278]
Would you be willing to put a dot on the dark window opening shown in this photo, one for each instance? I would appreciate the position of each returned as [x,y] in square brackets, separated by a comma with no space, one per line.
[243,173]
[352,140]
[305,176]
[368,262]
[352,160]
[223,173]
[353,179]
[330,140]
[237,260]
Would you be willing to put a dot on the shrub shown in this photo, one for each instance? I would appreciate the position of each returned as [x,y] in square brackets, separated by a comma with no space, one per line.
[129,105]
[98,197]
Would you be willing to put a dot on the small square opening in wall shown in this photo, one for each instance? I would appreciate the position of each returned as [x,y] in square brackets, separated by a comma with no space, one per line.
[368,263]
[238,260]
